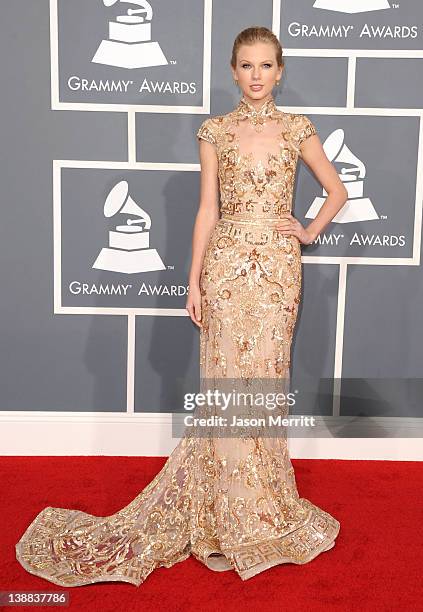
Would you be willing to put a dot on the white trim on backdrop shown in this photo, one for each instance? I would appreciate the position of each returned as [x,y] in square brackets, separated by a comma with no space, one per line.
[150,435]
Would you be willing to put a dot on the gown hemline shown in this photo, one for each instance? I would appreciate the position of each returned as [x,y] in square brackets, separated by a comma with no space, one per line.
[234,561]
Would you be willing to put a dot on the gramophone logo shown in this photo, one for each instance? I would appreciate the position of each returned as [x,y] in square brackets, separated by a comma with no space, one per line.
[129,245]
[129,44]
[352,6]
[357,207]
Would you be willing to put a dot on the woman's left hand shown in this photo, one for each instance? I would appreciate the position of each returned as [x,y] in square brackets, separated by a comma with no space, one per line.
[290,226]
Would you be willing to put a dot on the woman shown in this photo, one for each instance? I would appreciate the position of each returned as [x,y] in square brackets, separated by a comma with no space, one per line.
[232,502]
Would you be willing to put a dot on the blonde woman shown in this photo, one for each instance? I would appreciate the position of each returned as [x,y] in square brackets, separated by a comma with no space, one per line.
[232,502]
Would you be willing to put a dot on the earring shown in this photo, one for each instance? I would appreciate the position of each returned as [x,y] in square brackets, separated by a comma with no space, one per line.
[277,82]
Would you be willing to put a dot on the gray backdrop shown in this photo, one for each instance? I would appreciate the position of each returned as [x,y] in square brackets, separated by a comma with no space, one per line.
[73,129]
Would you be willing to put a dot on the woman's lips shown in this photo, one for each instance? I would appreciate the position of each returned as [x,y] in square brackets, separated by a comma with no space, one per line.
[256,87]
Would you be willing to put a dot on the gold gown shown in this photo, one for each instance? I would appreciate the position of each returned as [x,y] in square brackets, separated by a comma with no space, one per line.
[232,503]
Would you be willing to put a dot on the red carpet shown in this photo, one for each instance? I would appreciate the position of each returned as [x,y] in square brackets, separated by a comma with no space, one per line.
[375,566]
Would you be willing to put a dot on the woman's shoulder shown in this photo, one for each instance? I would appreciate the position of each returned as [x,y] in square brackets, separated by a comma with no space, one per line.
[301,126]
[210,127]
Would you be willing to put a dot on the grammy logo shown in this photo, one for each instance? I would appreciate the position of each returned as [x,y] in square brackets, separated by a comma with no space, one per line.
[129,44]
[357,207]
[352,6]
[128,250]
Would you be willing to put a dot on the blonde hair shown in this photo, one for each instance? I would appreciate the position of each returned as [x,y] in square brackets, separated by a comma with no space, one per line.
[254,34]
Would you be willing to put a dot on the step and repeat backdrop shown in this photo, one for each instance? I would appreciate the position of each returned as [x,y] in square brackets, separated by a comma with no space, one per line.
[100,179]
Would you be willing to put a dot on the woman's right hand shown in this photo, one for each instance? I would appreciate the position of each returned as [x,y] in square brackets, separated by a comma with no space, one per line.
[193,304]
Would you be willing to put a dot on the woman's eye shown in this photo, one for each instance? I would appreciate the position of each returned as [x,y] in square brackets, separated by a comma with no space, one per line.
[246,65]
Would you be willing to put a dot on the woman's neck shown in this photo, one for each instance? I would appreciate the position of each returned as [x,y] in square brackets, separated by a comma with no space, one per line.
[257,104]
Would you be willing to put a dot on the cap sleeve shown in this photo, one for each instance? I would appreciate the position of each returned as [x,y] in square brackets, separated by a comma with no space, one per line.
[305,129]
[207,131]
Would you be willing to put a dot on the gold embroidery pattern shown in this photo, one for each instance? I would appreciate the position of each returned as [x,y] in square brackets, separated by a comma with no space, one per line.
[265,189]
[232,503]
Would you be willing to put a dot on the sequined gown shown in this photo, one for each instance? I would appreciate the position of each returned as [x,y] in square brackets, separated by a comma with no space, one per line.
[232,503]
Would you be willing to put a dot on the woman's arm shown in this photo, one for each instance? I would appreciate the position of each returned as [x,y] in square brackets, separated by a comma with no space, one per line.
[314,156]
[207,216]
[208,211]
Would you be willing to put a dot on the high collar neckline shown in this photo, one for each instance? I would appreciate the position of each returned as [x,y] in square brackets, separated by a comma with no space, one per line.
[246,109]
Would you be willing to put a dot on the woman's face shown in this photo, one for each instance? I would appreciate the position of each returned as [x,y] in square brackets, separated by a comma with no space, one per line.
[256,64]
